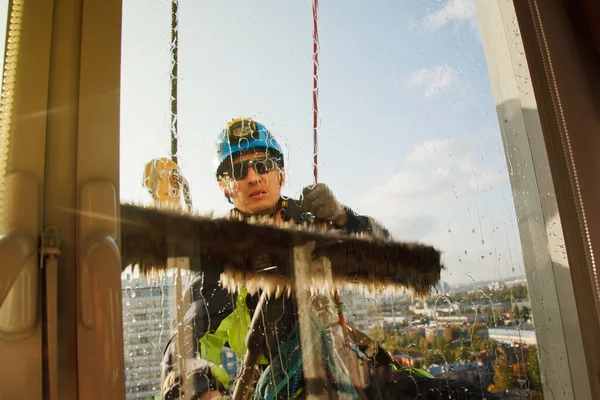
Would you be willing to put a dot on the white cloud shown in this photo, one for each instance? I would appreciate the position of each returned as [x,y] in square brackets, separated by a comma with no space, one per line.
[452,10]
[409,226]
[436,149]
[464,157]
[432,79]
[410,185]
[439,170]
[441,200]
[486,178]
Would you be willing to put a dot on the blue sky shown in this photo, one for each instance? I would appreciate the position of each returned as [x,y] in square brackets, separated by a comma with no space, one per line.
[409,131]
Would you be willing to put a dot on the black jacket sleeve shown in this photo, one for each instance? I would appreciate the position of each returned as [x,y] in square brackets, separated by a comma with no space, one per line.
[206,304]
[365,224]
[198,373]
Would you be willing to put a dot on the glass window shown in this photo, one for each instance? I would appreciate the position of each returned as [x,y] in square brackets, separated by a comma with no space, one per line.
[408,134]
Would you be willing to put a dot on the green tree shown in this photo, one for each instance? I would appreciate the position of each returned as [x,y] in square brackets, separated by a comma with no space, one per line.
[526,313]
[533,370]
[516,312]
[502,374]
[433,357]
[489,345]
[472,331]
[449,354]
[401,341]
[416,336]
[427,357]
[389,343]
[519,292]
[450,334]
[493,319]
[463,353]
[377,334]
[440,343]
[477,344]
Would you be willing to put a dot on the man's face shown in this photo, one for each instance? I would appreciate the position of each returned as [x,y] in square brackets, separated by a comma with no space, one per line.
[256,194]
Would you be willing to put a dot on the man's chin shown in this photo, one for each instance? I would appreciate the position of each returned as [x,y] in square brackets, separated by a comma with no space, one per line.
[260,207]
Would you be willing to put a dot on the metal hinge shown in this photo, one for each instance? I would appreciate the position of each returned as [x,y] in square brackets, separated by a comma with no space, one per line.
[50,244]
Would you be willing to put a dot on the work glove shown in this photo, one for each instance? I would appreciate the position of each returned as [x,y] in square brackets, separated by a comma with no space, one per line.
[320,201]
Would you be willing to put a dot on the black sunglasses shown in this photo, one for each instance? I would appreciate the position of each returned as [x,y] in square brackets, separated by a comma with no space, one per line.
[239,170]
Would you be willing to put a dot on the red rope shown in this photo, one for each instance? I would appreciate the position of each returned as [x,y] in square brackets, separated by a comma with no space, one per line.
[315,9]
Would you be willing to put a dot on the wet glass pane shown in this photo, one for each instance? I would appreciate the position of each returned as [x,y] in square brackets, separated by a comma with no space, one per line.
[408,134]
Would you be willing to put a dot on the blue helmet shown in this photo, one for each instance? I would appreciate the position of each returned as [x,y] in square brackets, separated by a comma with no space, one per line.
[244,135]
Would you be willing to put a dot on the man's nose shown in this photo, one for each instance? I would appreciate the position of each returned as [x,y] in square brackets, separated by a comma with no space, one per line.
[253,177]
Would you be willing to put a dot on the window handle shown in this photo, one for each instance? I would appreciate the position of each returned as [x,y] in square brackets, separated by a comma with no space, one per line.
[19,274]
[100,329]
